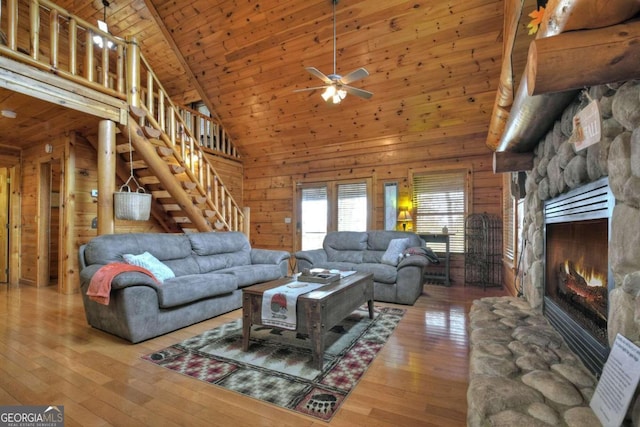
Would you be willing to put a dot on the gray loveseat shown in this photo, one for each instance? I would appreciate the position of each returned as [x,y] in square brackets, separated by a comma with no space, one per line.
[365,251]
[210,270]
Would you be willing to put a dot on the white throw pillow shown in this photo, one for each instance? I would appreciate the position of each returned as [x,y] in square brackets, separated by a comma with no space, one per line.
[394,251]
[151,263]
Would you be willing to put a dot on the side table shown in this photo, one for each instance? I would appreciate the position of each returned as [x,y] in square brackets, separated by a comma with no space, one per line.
[439,238]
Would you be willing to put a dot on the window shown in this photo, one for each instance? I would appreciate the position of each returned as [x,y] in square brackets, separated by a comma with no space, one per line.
[440,200]
[509,213]
[332,206]
[352,207]
[513,217]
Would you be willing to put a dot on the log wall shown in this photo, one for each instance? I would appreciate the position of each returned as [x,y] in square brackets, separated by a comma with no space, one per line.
[269,188]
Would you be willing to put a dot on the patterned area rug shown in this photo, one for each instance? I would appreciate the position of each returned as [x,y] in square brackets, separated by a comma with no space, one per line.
[277,367]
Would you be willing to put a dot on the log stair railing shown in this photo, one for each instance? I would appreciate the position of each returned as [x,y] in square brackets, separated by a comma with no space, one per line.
[169,160]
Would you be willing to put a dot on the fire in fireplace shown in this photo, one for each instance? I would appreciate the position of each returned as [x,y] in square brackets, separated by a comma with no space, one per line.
[577,274]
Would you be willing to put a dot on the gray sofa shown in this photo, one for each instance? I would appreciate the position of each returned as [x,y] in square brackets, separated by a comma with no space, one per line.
[365,251]
[210,270]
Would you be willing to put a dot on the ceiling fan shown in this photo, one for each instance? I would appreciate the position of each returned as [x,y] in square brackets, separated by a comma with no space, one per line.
[336,86]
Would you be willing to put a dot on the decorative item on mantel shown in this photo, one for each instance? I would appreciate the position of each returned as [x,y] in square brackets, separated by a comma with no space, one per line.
[132,205]
[404,217]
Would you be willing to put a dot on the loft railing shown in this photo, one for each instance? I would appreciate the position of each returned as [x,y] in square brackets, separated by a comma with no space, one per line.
[59,42]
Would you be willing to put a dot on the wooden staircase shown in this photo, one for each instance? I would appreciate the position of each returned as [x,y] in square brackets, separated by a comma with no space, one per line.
[188,195]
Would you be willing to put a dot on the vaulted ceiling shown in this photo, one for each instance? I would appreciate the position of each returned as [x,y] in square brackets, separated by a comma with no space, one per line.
[433,65]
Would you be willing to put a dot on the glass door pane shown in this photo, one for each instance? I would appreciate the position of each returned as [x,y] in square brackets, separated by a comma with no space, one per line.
[314,209]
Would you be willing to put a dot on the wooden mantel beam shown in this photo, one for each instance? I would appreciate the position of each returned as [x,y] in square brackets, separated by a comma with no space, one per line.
[584,58]
[506,161]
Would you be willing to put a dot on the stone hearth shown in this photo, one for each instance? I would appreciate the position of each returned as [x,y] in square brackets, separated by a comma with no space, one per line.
[521,371]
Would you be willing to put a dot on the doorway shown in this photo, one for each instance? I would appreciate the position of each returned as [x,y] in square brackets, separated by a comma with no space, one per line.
[49,224]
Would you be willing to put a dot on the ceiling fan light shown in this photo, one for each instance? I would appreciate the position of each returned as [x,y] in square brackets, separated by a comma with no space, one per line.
[329,92]
[342,93]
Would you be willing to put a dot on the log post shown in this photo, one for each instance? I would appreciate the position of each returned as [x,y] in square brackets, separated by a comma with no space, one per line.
[106,176]
[584,58]
[246,221]
[34,22]
[68,263]
[133,72]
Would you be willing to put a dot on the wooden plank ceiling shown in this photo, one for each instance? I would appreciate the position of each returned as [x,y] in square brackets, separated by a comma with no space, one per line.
[434,65]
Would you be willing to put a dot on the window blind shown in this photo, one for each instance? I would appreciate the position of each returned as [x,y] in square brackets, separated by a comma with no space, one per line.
[508,237]
[439,200]
[352,207]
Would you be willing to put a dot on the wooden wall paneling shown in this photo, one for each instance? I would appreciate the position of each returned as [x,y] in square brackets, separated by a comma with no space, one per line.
[29,219]
[232,173]
[15,232]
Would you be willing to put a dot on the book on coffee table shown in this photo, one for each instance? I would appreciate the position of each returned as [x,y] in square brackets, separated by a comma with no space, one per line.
[319,277]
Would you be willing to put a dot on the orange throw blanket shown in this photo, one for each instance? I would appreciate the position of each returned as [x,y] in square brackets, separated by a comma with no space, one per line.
[100,285]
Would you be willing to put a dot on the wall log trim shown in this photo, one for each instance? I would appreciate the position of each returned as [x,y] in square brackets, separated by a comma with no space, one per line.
[604,55]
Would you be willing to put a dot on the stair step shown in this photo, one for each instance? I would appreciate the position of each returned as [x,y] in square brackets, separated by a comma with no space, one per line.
[151,132]
[188,185]
[161,194]
[176,169]
[138,112]
[149,180]
[171,207]
[182,220]
[199,200]
[164,152]
[138,164]
[124,148]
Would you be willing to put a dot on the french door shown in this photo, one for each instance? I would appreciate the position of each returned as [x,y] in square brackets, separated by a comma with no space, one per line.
[332,206]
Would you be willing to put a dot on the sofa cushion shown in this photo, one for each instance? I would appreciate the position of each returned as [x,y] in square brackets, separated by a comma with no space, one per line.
[247,275]
[394,251]
[220,250]
[151,263]
[345,246]
[185,289]
[382,273]
[110,247]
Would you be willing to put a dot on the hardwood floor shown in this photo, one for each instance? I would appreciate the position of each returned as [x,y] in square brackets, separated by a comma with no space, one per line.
[49,355]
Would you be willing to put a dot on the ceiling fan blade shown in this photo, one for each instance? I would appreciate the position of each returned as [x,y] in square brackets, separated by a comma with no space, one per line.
[317,73]
[310,88]
[353,76]
[358,92]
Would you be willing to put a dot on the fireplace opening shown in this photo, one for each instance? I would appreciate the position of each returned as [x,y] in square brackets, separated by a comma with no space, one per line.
[577,273]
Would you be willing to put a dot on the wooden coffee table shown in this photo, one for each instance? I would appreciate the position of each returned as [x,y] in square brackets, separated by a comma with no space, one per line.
[317,311]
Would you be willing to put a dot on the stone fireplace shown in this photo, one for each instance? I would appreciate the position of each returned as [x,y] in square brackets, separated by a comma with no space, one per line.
[555,253]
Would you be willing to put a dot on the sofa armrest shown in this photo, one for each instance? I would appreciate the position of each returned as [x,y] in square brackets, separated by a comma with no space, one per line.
[313,256]
[268,256]
[122,280]
[413,260]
